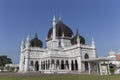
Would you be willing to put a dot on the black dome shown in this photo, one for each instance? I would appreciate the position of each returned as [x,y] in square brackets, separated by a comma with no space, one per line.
[74,39]
[60,29]
[36,42]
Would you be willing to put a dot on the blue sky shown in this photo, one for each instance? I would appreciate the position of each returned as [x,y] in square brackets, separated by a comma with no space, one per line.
[94,18]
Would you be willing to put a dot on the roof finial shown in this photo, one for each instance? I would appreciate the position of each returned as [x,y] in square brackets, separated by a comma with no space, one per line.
[54,18]
[60,17]
[36,35]
[77,32]
[28,37]
[92,39]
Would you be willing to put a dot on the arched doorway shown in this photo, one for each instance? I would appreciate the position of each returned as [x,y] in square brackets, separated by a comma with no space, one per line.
[41,65]
[31,63]
[62,64]
[86,63]
[31,66]
[36,66]
[57,64]
[72,65]
[48,64]
[53,64]
[76,65]
[66,64]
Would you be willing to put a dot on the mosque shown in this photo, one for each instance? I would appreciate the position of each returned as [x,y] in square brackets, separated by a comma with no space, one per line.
[64,53]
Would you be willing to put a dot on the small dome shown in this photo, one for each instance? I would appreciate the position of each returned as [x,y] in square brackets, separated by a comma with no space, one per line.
[60,29]
[74,39]
[36,42]
[111,53]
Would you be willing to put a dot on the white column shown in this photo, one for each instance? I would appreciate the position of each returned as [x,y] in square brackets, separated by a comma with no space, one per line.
[64,65]
[93,46]
[27,56]
[60,64]
[100,68]
[45,64]
[108,68]
[69,65]
[74,65]
[97,68]
[21,66]
[55,66]
[79,64]
[26,64]
[89,67]
[39,65]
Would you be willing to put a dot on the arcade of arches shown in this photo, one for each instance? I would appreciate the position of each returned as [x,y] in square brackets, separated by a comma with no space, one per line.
[51,64]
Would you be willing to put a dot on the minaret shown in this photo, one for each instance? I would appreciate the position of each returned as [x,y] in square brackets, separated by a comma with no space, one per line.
[28,42]
[93,47]
[78,50]
[78,38]
[21,66]
[27,56]
[54,28]
[93,43]
[22,45]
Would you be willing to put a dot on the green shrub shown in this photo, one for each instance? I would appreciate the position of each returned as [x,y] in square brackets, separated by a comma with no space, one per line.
[12,69]
[112,70]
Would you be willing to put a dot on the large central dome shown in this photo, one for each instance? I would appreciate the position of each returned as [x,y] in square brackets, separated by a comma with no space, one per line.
[61,28]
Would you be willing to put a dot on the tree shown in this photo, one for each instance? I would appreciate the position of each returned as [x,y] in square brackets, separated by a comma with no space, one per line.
[4,60]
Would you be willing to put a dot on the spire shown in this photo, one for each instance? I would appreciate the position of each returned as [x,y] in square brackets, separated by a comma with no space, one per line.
[28,42]
[78,37]
[22,45]
[54,28]
[60,17]
[28,38]
[92,39]
[35,35]
[54,19]
[77,32]
[93,43]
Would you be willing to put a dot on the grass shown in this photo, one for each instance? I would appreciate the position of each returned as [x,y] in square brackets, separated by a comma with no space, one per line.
[60,77]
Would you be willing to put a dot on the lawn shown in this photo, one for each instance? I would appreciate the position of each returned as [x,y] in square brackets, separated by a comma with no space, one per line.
[60,77]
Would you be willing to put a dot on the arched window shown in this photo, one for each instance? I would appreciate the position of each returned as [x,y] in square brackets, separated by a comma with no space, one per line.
[31,63]
[86,63]
[37,66]
[86,56]
[76,65]
[52,61]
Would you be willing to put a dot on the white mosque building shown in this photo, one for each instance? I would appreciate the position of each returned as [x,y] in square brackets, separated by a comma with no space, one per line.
[64,53]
